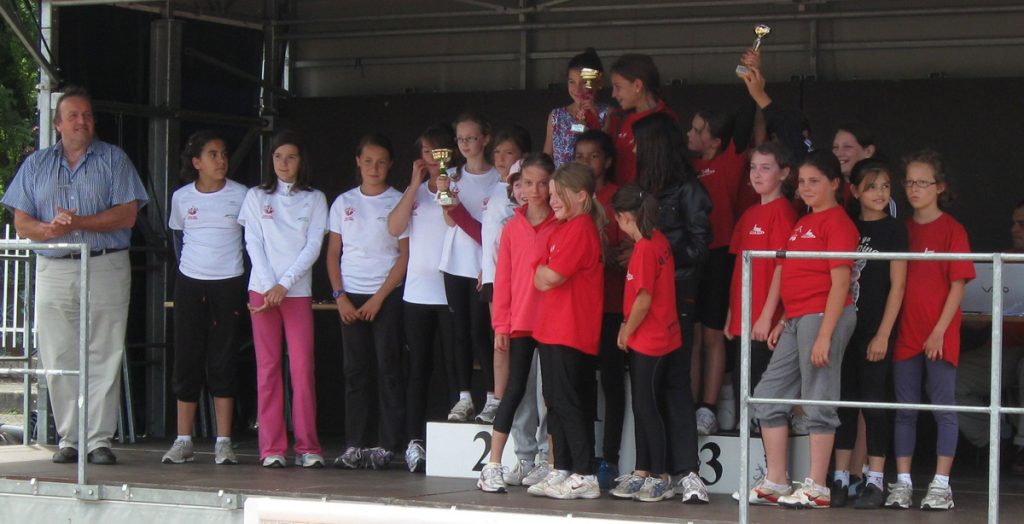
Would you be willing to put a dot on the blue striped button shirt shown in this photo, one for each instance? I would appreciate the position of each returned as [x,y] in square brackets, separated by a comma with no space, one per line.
[103,178]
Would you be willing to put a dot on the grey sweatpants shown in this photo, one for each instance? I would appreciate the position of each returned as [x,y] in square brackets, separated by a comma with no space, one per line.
[530,425]
[790,374]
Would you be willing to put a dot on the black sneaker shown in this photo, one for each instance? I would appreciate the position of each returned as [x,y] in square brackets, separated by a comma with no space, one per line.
[65,456]
[840,494]
[871,498]
[102,456]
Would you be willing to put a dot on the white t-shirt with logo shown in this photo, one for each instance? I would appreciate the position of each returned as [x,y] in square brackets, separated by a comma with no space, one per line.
[497,211]
[368,251]
[212,247]
[283,235]
[424,283]
[462,255]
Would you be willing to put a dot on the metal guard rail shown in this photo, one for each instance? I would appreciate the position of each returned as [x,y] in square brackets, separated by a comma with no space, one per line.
[994,409]
[83,341]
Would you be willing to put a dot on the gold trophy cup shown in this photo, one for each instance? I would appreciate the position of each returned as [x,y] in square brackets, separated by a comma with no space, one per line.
[442,157]
[589,76]
[761,31]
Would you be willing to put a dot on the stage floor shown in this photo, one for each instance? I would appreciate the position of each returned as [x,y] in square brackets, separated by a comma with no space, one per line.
[139,466]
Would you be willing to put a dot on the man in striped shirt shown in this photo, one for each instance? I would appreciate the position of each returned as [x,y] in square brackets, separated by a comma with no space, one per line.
[81,190]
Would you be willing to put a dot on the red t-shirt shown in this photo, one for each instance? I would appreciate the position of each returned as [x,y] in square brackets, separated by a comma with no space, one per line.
[621,130]
[614,276]
[806,282]
[928,283]
[651,269]
[722,177]
[762,227]
[570,314]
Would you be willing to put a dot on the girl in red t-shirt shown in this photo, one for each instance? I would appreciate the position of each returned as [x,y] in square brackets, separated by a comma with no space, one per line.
[928,344]
[570,274]
[514,312]
[595,149]
[809,343]
[764,226]
[650,332]
[635,83]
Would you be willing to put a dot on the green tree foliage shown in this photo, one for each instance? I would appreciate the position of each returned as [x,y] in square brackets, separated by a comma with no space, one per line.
[18,79]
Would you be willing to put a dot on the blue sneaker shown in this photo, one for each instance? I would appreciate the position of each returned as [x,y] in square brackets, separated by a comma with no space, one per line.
[606,474]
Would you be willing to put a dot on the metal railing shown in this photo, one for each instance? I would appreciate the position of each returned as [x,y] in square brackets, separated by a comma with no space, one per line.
[16,319]
[83,342]
[994,410]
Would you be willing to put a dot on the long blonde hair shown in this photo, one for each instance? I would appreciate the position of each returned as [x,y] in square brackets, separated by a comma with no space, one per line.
[573,178]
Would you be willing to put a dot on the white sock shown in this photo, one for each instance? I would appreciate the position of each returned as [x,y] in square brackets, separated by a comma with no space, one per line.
[590,478]
[223,439]
[904,478]
[942,480]
[843,477]
[184,438]
[774,486]
[490,396]
[875,477]
[464,395]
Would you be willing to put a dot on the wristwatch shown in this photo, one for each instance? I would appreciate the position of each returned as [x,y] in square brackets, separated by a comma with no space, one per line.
[337,293]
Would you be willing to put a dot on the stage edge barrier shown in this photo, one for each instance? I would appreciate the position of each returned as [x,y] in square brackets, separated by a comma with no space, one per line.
[82,489]
[994,409]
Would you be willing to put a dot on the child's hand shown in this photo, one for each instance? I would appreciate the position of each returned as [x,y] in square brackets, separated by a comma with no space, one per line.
[933,346]
[819,352]
[501,342]
[773,336]
[761,329]
[370,308]
[751,58]
[419,173]
[877,348]
[755,82]
[621,341]
[347,311]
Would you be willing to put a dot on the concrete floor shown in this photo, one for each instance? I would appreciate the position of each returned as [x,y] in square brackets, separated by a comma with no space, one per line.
[139,465]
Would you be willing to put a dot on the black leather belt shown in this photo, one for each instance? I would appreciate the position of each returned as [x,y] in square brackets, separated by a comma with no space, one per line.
[94,253]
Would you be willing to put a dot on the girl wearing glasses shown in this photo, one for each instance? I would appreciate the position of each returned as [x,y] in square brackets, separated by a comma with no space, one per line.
[928,345]
[461,263]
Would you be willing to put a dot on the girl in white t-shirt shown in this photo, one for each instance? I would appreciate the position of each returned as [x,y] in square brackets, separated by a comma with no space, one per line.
[425,314]
[285,221]
[365,264]
[208,292]
[461,261]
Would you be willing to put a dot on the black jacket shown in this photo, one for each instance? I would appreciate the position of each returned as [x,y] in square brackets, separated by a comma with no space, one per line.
[683,217]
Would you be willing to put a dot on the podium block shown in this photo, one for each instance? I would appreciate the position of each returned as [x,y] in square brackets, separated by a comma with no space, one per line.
[459,449]
[719,457]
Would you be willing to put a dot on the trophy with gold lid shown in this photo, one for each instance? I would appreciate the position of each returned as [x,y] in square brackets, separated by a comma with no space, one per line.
[589,76]
[760,31]
[442,156]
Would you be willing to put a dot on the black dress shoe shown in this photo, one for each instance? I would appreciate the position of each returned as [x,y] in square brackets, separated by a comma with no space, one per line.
[65,456]
[102,456]
[872,498]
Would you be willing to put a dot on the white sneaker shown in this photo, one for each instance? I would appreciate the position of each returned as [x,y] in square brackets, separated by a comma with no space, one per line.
[490,410]
[707,423]
[938,498]
[764,495]
[693,489]
[309,460]
[654,490]
[628,486]
[223,453]
[274,461]
[462,411]
[901,496]
[553,477]
[491,479]
[415,456]
[518,473]
[538,473]
[181,452]
[808,495]
[576,486]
